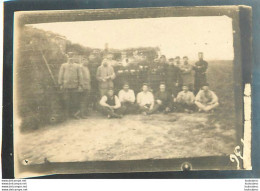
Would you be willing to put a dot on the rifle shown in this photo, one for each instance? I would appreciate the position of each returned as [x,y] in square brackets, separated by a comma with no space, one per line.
[49,69]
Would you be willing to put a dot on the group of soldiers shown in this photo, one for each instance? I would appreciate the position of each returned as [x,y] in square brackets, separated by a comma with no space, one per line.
[177,87]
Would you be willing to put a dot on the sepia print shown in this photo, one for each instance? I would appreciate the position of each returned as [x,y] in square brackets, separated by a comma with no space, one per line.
[136,87]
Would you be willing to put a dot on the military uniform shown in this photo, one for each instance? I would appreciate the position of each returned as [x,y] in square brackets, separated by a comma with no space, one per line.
[185,100]
[70,79]
[127,99]
[173,77]
[110,101]
[200,74]
[93,96]
[86,87]
[157,74]
[145,101]
[206,100]
[186,73]
[165,99]
[105,76]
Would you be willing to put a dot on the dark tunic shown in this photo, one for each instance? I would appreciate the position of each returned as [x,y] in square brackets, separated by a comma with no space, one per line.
[165,97]
[200,74]
[172,74]
[94,83]
[172,77]
[93,70]
[111,100]
[157,74]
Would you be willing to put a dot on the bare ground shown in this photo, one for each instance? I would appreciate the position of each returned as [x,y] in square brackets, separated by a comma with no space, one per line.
[176,135]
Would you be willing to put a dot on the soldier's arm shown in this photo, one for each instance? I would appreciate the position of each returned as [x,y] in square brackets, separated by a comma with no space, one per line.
[197,97]
[178,98]
[138,99]
[156,96]
[120,96]
[152,99]
[132,96]
[189,69]
[168,100]
[88,74]
[192,98]
[195,67]
[103,103]
[214,98]
[98,75]
[118,104]
[178,76]
[204,67]
[80,75]
[89,78]
[113,75]
[186,70]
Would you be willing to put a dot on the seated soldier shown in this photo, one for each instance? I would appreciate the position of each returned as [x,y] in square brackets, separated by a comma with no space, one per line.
[110,105]
[185,100]
[206,100]
[145,100]
[127,99]
[162,100]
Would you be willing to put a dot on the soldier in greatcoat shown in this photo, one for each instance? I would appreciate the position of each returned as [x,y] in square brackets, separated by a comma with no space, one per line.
[70,82]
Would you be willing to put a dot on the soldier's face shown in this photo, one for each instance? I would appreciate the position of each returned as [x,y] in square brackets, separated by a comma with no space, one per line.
[185,88]
[162,59]
[200,56]
[85,62]
[171,62]
[145,88]
[110,56]
[162,88]
[205,88]
[110,92]
[185,60]
[70,60]
[126,87]
[91,57]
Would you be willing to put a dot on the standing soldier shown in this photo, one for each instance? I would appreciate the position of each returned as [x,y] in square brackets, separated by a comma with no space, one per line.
[162,68]
[157,73]
[105,75]
[110,60]
[70,81]
[172,78]
[86,87]
[177,61]
[93,64]
[200,73]
[186,71]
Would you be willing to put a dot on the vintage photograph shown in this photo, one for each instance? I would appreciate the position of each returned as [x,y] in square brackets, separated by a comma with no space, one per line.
[124,89]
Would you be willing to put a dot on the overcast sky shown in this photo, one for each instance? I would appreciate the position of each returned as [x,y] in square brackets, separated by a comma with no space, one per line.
[175,36]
